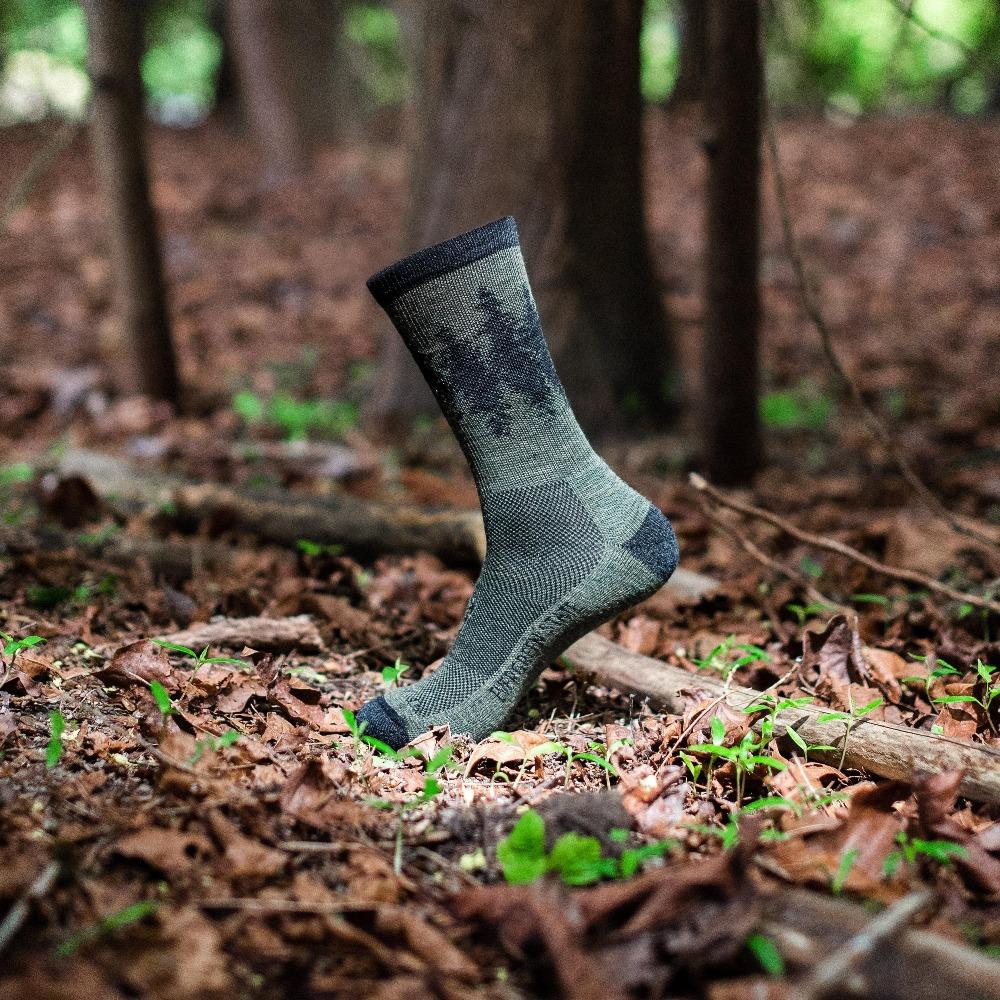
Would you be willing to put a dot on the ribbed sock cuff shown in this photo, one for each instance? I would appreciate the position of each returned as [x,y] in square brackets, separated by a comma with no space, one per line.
[431,262]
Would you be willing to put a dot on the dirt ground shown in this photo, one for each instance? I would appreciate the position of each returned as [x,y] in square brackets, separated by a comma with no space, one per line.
[202,829]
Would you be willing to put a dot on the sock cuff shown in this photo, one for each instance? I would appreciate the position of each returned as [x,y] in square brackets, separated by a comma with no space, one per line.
[431,262]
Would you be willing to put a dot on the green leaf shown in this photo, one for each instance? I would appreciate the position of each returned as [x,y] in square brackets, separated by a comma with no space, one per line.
[870,707]
[439,759]
[521,854]
[844,866]
[953,699]
[122,918]
[578,859]
[161,697]
[54,749]
[174,648]
[718,728]
[766,952]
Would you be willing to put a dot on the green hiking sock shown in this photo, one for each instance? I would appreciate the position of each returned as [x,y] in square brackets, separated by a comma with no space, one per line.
[569,545]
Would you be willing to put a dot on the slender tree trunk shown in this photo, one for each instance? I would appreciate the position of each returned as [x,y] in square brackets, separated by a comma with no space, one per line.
[731,444]
[532,108]
[690,85]
[115,48]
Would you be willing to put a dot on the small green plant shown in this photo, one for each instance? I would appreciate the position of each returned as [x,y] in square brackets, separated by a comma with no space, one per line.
[803,612]
[358,733]
[991,691]
[578,860]
[805,406]
[297,418]
[594,754]
[315,549]
[12,646]
[107,925]
[214,743]
[162,699]
[850,718]
[392,674]
[912,848]
[942,669]
[200,659]
[54,748]
[745,756]
[431,789]
[720,659]
[844,867]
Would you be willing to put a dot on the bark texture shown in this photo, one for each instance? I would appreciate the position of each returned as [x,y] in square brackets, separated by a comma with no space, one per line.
[533,109]
[730,420]
[693,55]
[115,49]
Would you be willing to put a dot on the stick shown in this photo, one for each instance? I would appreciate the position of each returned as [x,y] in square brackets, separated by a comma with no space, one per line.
[832,545]
[836,968]
[298,632]
[875,425]
[18,913]
[281,517]
[880,748]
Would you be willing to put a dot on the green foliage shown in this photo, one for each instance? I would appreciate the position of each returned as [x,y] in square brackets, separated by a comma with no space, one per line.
[12,646]
[578,860]
[106,925]
[803,612]
[214,743]
[802,408]
[849,718]
[766,952]
[162,698]
[316,549]
[912,849]
[844,867]
[199,658]
[54,749]
[392,674]
[298,419]
[374,30]
[720,659]
[988,681]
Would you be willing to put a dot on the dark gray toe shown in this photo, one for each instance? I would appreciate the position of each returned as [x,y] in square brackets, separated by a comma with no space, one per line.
[383,722]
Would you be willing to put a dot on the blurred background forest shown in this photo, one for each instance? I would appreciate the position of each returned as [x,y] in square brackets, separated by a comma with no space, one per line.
[764,239]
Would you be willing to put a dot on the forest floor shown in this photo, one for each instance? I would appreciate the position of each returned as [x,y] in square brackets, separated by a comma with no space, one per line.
[180,827]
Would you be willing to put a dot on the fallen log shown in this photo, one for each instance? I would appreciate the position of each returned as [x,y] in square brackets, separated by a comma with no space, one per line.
[363,527]
[259,632]
[880,748]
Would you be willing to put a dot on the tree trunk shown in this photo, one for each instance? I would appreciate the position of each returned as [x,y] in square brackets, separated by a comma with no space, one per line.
[533,109]
[115,49]
[289,65]
[730,418]
[690,85]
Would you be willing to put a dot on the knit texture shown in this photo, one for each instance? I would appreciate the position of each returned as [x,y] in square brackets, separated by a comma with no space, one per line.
[569,545]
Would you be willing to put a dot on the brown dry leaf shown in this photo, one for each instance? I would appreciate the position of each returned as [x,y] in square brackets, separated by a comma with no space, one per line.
[139,662]
[640,635]
[244,857]
[800,779]
[836,654]
[426,942]
[173,852]
[517,749]
[936,795]
[868,833]
[314,795]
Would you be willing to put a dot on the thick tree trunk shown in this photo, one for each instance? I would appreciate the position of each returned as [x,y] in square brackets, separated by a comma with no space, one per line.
[533,109]
[690,85]
[115,48]
[731,444]
[293,82]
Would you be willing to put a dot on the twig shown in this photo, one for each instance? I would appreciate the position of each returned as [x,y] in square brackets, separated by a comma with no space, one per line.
[906,9]
[832,545]
[251,904]
[769,561]
[44,157]
[18,913]
[836,968]
[875,425]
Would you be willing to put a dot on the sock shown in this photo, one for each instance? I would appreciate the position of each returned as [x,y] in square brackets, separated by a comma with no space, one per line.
[569,545]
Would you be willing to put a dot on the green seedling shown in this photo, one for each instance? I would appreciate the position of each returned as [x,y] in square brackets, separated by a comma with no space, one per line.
[805,406]
[54,749]
[162,699]
[214,743]
[913,848]
[943,669]
[200,659]
[107,925]
[315,549]
[358,734]
[719,659]
[569,754]
[431,789]
[693,766]
[850,718]
[11,647]
[392,674]
[844,867]
[297,418]
[766,952]
[991,691]
[578,860]
[803,612]
[745,756]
